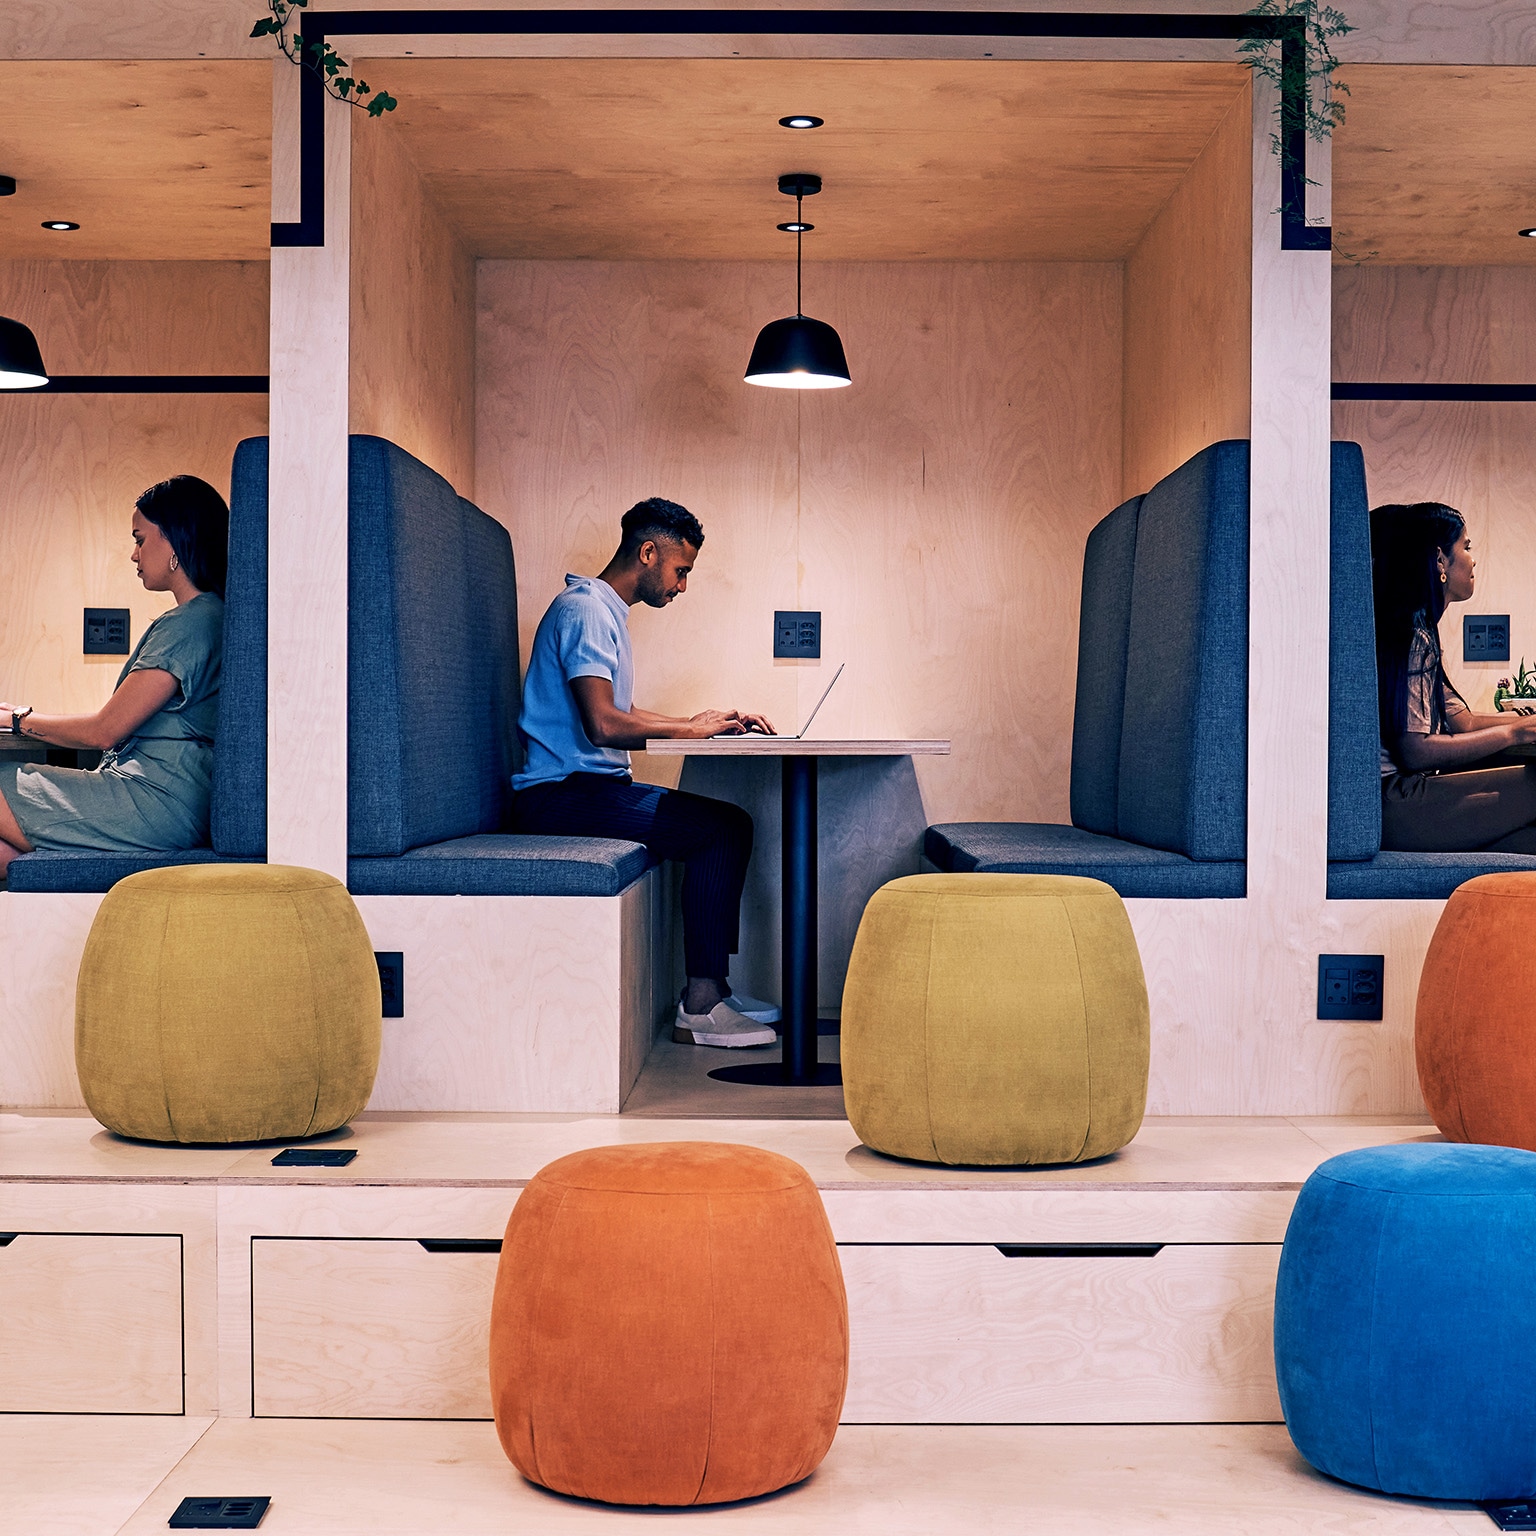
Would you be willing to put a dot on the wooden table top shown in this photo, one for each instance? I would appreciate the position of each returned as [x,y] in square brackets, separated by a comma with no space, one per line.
[789,746]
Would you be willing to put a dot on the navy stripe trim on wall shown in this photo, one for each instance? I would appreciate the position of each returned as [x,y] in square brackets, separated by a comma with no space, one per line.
[318,26]
[1475,392]
[152,384]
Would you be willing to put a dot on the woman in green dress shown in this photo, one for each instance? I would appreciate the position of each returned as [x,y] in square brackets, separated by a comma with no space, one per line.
[151,793]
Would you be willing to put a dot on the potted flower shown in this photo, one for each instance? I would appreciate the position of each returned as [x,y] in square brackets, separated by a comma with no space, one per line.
[1517,696]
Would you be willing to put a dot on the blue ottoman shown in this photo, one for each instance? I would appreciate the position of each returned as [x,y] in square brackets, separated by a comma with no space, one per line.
[1405,1321]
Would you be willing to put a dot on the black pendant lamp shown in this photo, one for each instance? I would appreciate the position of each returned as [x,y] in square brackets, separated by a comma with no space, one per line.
[798,352]
[21,364]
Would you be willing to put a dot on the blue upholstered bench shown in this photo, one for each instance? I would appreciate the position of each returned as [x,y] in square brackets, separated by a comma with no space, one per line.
[1358,869]
[239,810]
[1159,791]
[433,690]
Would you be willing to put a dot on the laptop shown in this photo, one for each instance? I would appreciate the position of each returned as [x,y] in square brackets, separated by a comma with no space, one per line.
[799,735]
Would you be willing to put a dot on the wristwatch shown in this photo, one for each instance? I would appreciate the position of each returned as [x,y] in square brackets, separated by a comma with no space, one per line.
[17,716]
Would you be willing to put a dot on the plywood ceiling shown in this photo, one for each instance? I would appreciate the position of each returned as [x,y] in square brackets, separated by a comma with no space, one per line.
[923,160]
[1436,166]
[154,161]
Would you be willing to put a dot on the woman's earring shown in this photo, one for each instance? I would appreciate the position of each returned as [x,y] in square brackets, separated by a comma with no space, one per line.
[176,565]
[1443,576]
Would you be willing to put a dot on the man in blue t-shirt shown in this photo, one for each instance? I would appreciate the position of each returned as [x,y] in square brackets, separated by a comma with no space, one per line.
[578,725]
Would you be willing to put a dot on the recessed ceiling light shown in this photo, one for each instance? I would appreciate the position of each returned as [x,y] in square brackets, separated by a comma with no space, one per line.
[59,224]
[1530,234]
[801,120]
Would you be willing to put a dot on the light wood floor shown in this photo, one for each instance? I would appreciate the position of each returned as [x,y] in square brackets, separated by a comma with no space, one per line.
[67,1476]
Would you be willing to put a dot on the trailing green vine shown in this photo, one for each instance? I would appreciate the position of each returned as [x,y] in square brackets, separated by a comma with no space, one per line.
[321,58]
[1312,103]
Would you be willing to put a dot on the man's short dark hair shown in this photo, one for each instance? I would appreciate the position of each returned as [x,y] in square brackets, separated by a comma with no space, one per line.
[658,518]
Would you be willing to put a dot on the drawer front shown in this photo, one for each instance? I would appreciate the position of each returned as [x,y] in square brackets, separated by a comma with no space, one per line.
[90,1323]
[966,1334]
[387,1329]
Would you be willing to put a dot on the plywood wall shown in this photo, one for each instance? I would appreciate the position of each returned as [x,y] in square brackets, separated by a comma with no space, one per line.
[934,513]
[413,311]
[71,465]
[1187,287]
[1465,325]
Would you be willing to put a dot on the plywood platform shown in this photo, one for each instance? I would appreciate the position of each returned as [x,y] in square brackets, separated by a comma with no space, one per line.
[1138,1288]
[99,1477]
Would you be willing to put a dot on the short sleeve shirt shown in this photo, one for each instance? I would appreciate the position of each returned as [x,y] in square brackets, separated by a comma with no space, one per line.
[585,633]
[1425,717]
[188,642]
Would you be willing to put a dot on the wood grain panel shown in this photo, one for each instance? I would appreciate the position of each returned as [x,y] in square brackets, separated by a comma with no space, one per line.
[621,160]
[413,312]
[935,512]
[90,1324]
[1451,325]
[942,1335]
[514,1003]
[375,1330]
[1433,166]
[1187,320]
[71,465]
[154,160]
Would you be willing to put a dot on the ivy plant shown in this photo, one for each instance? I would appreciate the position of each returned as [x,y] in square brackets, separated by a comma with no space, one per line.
[1313,104]
[321,58]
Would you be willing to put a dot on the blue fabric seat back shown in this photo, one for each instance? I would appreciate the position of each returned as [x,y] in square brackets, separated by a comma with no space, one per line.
[239,810]
[1184,738]
[416,718]
[498,687]
[1104,623]
[1354,732]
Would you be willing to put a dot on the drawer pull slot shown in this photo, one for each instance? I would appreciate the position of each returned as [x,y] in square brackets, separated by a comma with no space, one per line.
[1079,1250]
[460,1244]
[7,1238]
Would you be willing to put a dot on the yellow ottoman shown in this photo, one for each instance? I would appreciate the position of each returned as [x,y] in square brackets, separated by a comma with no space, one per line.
[995,1019]
[227,1002]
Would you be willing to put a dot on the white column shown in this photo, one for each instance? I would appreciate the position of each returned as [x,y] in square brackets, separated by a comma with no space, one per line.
[1288,605]
[307,573]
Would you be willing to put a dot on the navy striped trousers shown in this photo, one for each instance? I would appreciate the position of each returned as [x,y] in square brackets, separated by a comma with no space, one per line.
[712,837]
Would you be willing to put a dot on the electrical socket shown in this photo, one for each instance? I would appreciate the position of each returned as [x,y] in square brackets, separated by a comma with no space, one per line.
[1349,986]
[797,634]
[106,632]
[391,964]
[1485,637]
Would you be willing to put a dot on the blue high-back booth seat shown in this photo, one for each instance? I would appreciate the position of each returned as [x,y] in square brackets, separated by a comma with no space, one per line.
[239,810]
[1357,866]
[432,701]
[1159,794]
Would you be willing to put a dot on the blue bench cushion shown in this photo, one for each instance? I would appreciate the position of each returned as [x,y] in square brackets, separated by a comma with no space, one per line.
[239,810]
[1184,738]
[1417,876]
[507,864]
[1004,847]
[1354,734]
[1104,623]
[90,870]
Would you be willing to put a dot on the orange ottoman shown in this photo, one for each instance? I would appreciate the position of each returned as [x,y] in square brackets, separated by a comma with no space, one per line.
[669,1325]
[1475,1029]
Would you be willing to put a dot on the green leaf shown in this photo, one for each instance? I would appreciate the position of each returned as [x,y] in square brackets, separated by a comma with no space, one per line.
[266,27]
[381,104]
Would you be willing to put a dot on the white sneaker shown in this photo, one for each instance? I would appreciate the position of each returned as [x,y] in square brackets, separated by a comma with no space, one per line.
[753,1008]
[721,1026]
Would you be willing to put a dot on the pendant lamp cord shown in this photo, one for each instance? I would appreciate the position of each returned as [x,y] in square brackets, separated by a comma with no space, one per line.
[799,236]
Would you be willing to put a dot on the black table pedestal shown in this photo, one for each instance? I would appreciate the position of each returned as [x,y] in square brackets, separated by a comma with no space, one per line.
[799,1066]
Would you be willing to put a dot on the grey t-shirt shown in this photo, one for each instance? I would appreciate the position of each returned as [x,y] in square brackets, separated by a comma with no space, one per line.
[585,633]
